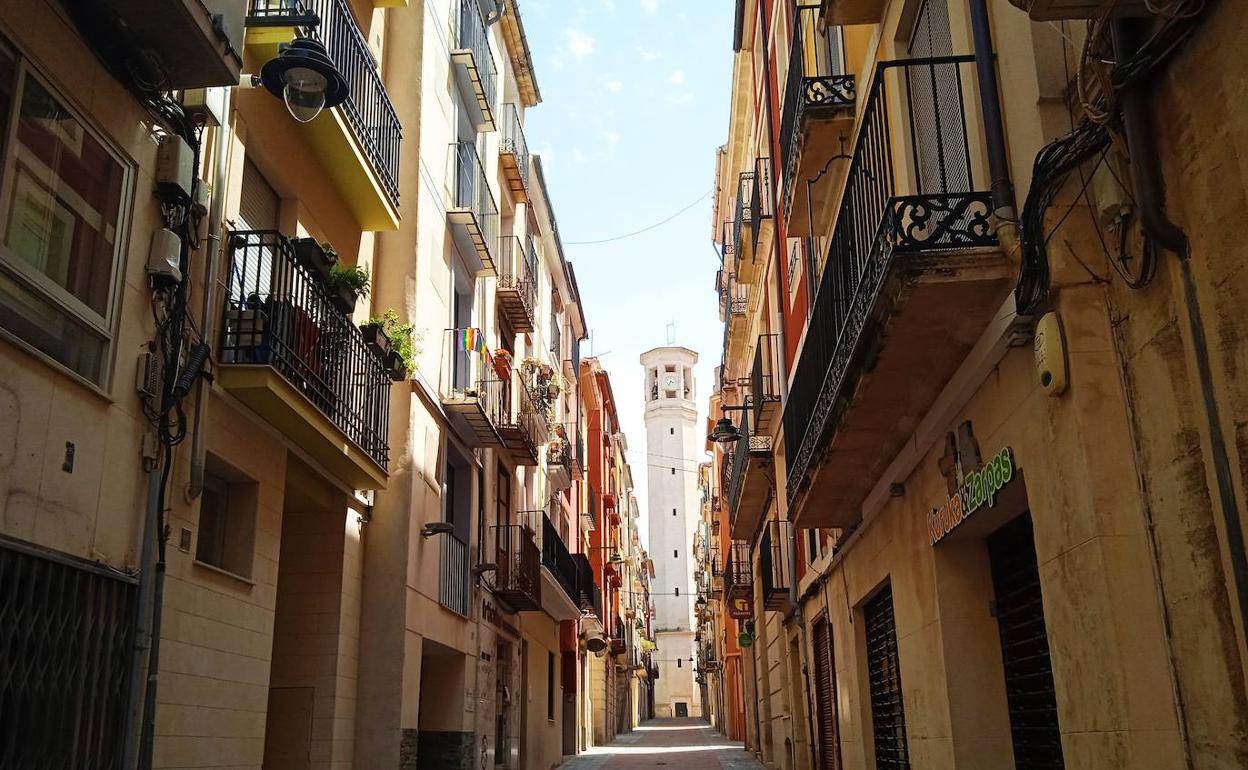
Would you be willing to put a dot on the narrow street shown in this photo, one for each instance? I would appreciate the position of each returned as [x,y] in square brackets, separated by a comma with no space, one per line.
[689,744]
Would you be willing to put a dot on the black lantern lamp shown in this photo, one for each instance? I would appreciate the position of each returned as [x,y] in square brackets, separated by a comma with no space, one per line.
[305,78]
[700,604]
[724,432]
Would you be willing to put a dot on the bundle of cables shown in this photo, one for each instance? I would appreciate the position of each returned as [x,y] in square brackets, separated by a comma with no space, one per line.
[1099,79]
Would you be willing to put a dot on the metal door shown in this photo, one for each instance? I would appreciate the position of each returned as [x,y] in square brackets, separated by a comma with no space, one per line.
[1029,691]
[825,698]
[942,160]
[888,716]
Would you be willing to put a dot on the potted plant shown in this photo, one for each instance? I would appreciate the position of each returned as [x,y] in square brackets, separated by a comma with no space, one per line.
[319,258]
[396,367]
[502,363]
[347,283]
[375,336]
[402,344]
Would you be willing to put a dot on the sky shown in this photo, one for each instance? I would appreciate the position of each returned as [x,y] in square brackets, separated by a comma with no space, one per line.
[635,101]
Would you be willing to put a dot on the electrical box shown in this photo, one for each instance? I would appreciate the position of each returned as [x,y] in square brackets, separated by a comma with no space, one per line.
[1050,350]
[164,258]
[1054,10]
[208,103]
[146,376]
[175,170]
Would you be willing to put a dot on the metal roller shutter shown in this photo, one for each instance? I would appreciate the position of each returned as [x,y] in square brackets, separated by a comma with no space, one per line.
[1029,690]
[888,716]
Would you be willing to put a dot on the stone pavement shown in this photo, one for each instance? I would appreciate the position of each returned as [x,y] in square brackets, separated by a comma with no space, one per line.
[681,744]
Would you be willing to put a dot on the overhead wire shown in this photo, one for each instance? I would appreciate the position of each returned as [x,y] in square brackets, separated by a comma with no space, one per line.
[645,229]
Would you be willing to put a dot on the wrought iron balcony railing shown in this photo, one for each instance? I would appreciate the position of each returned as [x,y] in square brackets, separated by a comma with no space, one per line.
[471,50]
[368,109]
[589,593]
[927,199]
[765,379]
[773,564]
[558,560]
[517,285]
[816,80]
[738,571]
[518,578]
[453,575]
[472,191]
[279,314]
[743,223]
[762,200]
[513,153]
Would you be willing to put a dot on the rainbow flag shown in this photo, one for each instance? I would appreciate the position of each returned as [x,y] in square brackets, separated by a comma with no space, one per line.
[472,340]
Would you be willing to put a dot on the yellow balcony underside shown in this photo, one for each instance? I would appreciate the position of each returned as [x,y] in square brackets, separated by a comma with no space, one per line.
[268,394]
[390,3]
[335,144]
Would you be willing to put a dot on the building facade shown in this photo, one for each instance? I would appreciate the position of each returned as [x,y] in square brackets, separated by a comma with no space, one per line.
[979,384]
[296,470]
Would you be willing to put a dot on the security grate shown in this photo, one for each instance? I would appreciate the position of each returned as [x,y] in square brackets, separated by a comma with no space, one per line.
[1029,691]
[825,692]
[64,633]
[888,716]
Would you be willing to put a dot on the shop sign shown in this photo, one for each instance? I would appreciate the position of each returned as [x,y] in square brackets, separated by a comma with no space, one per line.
[741,607]
[978,489]
[745,641]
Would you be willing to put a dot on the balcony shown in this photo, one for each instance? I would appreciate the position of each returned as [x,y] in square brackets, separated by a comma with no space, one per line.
[518,577]
[516,291]
[560,596]
[357,142]
[474,64]
[738,570]
[750,481]
[473,214]
[774,565]
[815,124]
[766,375]
[762,210]
[743,229]
[523,427]
[588,592]
[843,12]
[453,575]
[559,459]
[513,154]
[474,397]
[299,362]
[190,43]
[912,277]
[611,508]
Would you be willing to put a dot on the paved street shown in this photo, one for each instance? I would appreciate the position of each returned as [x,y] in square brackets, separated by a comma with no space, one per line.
[688,744]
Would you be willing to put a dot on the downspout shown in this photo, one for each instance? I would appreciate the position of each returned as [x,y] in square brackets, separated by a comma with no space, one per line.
[1004,214]
[211,309]
[1149,191]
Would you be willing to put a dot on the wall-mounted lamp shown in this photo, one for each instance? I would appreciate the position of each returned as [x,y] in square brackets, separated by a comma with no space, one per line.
[304,77]
[437,528]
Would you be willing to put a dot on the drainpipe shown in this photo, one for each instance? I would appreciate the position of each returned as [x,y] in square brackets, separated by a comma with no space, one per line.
[212,304]
[1004,214]
[1149,192]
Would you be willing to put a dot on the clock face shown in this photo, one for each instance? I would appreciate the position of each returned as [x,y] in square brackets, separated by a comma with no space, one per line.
[669,381]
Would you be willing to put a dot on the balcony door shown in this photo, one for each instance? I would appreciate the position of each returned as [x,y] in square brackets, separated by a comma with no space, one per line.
[259,208]
[942,161]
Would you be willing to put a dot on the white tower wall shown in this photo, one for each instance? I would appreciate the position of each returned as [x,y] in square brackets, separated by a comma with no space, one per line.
[672,445]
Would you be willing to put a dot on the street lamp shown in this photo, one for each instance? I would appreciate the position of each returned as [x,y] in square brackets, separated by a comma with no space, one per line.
[724,431]
[305,78]
[700,604]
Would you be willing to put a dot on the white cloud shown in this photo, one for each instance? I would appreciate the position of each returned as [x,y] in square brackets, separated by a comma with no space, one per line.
[608,5]
[611,83]
[612,137]
[649,6]
[679,98]
[578,156]
[677,77]
[648,55]
[580,44]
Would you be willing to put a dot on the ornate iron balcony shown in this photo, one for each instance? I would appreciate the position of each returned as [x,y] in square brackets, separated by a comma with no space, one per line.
[773,564]
[518,579]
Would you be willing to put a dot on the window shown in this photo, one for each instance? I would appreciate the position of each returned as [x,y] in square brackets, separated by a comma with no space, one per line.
[550,686]
[673,471]
[678,663]
[675,554]
[62,196]
[227,521]
[671,431]
[673,511]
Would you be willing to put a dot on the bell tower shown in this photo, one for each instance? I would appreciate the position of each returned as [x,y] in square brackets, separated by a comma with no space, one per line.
[672,449]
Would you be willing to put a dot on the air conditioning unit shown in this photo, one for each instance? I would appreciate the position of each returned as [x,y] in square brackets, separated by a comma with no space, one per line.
[196,43]
[1054,10]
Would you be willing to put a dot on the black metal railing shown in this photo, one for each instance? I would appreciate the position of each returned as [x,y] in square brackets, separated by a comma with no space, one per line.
[728,244]
[588,593]
[472,192]
[816,79]
[766,374]
[517,272]
[519,562]
[743,223]
[740,454]
[737,296]
[592,500]
[367,108]
[558,559]
[926,199]
[279,313]
[773,563]
[559,453]
[453,585]
[469,33]
[762,200]
[738,571]
[511,141]
[65,632]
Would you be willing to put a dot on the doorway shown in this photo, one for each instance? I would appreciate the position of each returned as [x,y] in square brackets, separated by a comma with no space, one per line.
[1029,692]
[941,155]
[682,709]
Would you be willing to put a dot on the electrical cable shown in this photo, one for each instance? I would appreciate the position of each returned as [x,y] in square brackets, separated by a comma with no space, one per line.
[646,229]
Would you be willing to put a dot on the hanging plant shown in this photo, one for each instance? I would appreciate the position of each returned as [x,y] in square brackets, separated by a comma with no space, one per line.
[404,343]
[347,283]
